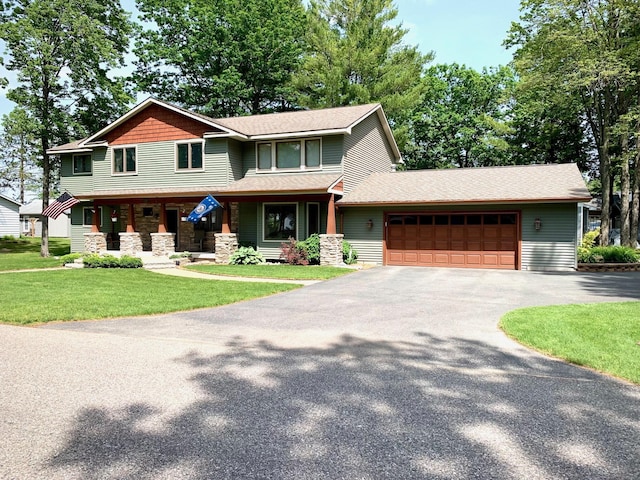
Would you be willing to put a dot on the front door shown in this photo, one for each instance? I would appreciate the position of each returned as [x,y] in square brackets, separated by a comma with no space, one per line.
[172,223]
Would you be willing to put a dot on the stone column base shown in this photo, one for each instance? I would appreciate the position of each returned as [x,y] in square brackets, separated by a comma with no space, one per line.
[95,242]
[226,245]
[163,244]
[130,243]
[331,249]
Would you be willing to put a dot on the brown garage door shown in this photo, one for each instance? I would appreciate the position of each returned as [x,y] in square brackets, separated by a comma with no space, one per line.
[476,240]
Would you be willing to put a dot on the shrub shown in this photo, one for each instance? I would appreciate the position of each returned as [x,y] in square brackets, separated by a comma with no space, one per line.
[312,247]
[615,254]
[587,243]
[349,254]
[292,253]
[94,260]
[127,261]
[70,258]
[175,256]
[246,256]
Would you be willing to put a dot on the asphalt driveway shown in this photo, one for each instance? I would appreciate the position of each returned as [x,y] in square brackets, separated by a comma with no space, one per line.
[387,373]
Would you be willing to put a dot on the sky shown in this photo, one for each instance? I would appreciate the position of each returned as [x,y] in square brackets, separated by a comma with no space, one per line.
[468,32]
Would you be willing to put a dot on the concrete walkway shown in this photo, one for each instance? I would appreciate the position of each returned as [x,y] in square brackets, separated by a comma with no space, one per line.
[183,272]
[387,373]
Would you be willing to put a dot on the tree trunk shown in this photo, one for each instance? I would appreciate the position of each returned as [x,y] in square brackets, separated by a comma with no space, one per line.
[46,179]
[625,192]
[605,179]
[635,204]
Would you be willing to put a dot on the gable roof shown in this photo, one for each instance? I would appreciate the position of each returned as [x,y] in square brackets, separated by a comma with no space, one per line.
[338,120]
[527,183]
[8,199]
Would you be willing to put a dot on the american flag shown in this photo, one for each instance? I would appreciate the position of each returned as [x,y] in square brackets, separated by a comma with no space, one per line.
[59,205]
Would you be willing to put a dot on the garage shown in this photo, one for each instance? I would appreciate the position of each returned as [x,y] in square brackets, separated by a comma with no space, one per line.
[452,239]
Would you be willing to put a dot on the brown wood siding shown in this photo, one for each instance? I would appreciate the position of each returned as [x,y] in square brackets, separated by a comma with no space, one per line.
[156,124]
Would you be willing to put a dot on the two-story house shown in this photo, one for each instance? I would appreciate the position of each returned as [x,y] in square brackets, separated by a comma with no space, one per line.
[292,174]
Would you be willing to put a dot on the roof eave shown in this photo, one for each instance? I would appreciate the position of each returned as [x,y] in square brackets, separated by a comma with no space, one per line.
[53,151]
[462,202]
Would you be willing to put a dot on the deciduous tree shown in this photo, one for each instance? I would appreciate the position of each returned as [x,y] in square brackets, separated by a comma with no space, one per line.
[61,52]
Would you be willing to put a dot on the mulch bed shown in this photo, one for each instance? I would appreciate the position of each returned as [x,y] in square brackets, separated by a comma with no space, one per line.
[609,267]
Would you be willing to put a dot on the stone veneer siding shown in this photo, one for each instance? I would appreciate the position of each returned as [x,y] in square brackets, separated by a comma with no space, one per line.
[331,249]
[226,245]
[95,242]
[163,244]
[130,243]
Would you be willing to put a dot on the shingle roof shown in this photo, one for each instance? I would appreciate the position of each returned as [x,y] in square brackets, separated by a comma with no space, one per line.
[259,184]
[535,183]
[301,121]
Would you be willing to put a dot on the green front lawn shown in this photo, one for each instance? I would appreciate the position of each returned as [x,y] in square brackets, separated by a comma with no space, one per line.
[605,336]
[33,297]
[289,272]
[24,253]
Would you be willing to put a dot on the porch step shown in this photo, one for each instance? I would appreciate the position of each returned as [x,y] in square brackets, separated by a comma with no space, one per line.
[154,263]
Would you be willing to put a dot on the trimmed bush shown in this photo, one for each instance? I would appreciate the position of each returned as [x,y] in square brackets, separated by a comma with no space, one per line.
[246,256]
[349,254]
[70,258]
[94,260]
[312,247]
[615,254]
[292,253]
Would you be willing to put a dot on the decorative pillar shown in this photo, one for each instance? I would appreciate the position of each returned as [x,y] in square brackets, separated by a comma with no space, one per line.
[331,216]
[226,218]
[130,243]
[95,242]
[331,249]
[162,225]
[226,244]
[95,225]
[131,223]
[163,244]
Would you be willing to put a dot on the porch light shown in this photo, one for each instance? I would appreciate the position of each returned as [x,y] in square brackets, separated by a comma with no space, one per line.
[183,216]
[114,216]
[369,224]
[537,224]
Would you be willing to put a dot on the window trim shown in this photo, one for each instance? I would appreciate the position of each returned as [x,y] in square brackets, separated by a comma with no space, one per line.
[264,223]
[83,216]
[188,169]
[73,164]
[274,149]
[124,164]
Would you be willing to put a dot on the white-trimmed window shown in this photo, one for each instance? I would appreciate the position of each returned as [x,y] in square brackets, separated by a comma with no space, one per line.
[289,155]
[189,156]
[124,160]
[87,216]
[280,221]
[82,164]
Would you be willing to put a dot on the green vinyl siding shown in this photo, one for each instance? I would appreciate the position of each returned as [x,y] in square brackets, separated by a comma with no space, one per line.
[368,243]
[366,150]
[553,247]
[331,148]
[235,160]
[248,224]
[76,184]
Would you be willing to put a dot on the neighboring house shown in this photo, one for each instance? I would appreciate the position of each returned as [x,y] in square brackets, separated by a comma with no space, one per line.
[9,217]
[292,174]
[31,215]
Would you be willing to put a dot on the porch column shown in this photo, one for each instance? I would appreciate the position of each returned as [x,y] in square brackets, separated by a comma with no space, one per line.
[331,216]
[95,225]
[131,224]
[162,225]
[226,218]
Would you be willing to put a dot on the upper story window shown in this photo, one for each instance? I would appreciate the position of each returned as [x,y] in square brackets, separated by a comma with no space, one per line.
[124,160]
[289,155]
[189,156]
[82,164]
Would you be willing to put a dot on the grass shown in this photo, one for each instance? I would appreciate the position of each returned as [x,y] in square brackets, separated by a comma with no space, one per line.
[603,336]
[37,297]
[289,272]
[24,253]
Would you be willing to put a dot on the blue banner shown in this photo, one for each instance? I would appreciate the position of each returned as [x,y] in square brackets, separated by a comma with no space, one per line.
[205,206]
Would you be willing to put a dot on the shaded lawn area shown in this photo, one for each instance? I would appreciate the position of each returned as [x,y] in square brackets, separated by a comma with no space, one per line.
[602,336]
[289,272]
[24,253]
[36,297]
